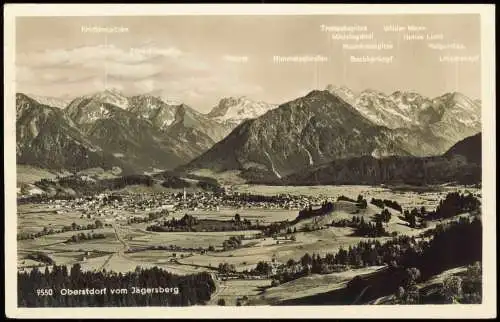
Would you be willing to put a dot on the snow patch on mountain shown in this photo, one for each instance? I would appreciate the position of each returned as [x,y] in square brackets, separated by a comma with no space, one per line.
[51,101]
[311,161]
[101,113]
[155,109]
[112,96]
[238,109]
[406,109]
[272,165]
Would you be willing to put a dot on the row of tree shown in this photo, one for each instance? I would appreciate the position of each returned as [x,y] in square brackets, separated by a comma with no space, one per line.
[83,186]
[192,289]
[83,237]
[50,231]
[309,212]
[225,268]
[411,217]
[455,289]
[455,203]
[232,243]
[387,203]
[363,228]
[383,216]
[151,217]
[191,223]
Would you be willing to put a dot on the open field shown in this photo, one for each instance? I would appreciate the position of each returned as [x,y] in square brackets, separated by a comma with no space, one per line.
[226,178]
[29,174]
[311,285]
[319,242]
[125,263]
[153,255]
[111,253]
[231,290]
[347,210]
[142,189]
[57,239]
[407,199]
[100,173]
[263,215]
[33,217]
[187,239]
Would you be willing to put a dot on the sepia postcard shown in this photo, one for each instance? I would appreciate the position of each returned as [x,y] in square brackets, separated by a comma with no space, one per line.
[250,161]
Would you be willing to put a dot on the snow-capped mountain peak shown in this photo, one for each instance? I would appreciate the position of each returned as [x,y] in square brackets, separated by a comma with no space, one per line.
[343,92]
[153,108]
[112,96]
[51,101]
[404,109]
[238,109]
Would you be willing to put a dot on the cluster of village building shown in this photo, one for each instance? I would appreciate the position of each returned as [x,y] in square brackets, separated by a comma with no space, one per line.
[113,206]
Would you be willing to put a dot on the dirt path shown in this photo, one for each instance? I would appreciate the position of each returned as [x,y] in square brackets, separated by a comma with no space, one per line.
[220,287]
[106,262]
[193,265]
[120,239]
[120,253]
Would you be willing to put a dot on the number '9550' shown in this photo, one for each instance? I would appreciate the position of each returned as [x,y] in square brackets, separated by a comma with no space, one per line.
[44,292]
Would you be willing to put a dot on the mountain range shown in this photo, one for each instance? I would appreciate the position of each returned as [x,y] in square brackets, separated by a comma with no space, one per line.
[461,163]
[326,125]
[135,133]
[234,110]
[48,138]
[261,140]
[51,101]
[449,117]
[309,130]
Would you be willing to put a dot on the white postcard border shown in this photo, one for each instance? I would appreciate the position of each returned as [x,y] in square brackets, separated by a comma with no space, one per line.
[485,310]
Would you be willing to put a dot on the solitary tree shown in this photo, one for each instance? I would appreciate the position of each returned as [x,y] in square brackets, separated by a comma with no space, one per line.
[98,224]
[411,295]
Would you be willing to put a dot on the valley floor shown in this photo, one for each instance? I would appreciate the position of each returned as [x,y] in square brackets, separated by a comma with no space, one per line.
[127,246]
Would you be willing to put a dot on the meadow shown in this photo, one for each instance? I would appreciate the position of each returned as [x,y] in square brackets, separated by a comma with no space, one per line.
[428,198]
[113,252]
[312,284]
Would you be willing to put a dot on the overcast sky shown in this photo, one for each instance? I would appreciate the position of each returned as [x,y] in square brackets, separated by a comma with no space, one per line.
[201,59]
